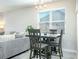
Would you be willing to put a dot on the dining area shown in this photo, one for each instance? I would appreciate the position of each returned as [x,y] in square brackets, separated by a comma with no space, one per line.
[45,45]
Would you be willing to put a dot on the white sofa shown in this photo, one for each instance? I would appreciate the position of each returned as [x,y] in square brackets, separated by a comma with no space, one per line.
[12,47]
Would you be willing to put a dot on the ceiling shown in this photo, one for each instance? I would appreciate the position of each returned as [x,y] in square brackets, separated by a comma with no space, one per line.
[6,5]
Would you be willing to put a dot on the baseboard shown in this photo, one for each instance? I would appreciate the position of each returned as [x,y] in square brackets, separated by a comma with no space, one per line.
[70,53]
[17,54]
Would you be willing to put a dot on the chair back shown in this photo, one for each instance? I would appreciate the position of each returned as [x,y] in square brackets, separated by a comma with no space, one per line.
[34,36]
[53,31]
[60,39]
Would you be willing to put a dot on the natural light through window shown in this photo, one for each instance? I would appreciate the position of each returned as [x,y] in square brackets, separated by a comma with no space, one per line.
[52,19]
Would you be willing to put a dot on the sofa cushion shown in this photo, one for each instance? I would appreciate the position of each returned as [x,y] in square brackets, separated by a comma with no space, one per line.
[6,37]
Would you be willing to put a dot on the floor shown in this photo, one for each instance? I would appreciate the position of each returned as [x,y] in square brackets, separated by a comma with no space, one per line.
[26,56]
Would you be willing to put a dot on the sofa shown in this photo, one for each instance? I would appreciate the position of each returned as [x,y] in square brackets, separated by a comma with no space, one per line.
[12,46]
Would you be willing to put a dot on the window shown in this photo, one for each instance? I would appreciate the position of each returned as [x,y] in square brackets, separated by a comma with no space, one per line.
[44,16]
[52,19]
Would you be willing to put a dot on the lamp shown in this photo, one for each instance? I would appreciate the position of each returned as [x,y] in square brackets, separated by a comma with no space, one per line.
[2,29]
[2,24]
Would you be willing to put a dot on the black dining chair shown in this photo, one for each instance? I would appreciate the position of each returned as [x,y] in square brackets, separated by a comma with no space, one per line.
[53,31]
[58,45]
[38,49]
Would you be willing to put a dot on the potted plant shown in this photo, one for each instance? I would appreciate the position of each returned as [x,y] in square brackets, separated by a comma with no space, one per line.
[28,27]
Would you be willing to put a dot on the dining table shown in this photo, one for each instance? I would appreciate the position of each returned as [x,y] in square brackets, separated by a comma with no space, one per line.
[47,35]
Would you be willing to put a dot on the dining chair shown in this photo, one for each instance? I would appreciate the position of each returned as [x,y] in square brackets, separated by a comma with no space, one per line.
[53,31]
[58,45]
[38,49]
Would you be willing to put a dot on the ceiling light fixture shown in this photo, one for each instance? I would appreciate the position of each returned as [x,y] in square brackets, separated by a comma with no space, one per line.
[39,4]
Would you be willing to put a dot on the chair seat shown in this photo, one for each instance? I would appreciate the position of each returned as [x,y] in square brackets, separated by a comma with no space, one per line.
[42,46]
[54,43]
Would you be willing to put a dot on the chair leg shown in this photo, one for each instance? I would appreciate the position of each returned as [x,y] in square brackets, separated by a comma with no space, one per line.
[39,54]
[46,56]
[60,57]
[50,57]
[49,53]
[31,54]
[60,54]
[34,53]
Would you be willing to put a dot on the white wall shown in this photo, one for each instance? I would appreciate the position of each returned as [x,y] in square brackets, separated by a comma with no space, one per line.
[18,19]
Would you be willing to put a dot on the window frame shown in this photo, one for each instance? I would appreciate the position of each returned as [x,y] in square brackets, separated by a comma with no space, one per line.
[50,17]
